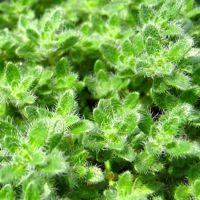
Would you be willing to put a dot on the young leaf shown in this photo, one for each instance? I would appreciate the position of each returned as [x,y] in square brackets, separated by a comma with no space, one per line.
[6,192]
[6,129]
[11,173]
[179,148]
[151,31]
[144,162]
[94,175]
[55,164]
[38,133]
[152,46]
[196,188]
[31,192]
[131,100]
[146,13]
[128,48]
[100,117]
[179,49]
[66,103]
[179,81]
[32,34]
[62,68]
[12,74]
[124,185]
[81,127]
[182,192]
[110,53]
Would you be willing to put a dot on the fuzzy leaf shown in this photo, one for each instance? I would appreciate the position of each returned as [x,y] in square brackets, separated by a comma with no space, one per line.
[62,68]
[32,34]
[182,192]
[144,162]
[6,129]
[146,122]
[179,81]
[11,173]
[7,193]
[152,46]
[110,53]
[151,31]
[54,164]
[31,192]
[179,148]
[196,188]
[146,13]
[12,74]
[124,185]
[100,117]
[131,100]
[38,133]
[94,175]
[179,49]
[81,127]
[66,103]
[128,48]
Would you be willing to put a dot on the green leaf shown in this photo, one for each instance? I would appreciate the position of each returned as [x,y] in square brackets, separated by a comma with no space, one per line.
[179,81]
[182,192]
[194,172]
[179,49]
[110,195]
[33,112]
[110,53]
[38,133]
[144,162]
[152,46]
[146,13]
[196,188]
[54,141]
[193,13]
[27,51]
[31,191]
[146,122]
[94,175]
[12,74]
[7,193]
[159,85]
[62,68]
[102,76]
[127,154]
[179,148]
[6,129]
[67,39]
[124,185]
[66,103]
[151,31]
[114,20]
[129,123]
[32,34]
[128,48]
[100,117]
[131,100]
[12,143]
[138,45]
[46,75]
[99,65]
[11,173]
[81,127]
[55,164]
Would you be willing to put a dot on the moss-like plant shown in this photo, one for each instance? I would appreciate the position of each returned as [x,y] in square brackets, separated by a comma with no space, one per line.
[99,100]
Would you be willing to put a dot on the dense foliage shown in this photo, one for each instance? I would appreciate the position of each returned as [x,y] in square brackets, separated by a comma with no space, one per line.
[99,99]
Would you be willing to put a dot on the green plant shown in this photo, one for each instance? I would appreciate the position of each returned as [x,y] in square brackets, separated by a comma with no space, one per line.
[99,99]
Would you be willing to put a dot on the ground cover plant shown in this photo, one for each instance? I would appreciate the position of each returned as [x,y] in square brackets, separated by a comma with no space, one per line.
[99,99]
